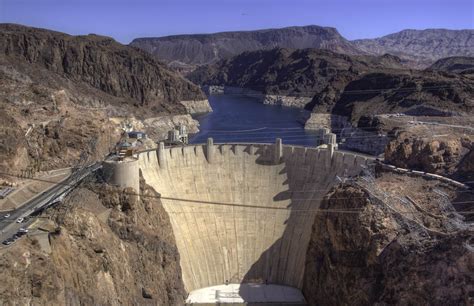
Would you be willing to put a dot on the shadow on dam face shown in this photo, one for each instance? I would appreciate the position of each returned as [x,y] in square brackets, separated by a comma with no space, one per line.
[243,213]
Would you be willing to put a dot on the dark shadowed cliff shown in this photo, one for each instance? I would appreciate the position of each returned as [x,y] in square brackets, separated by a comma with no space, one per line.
[345,85]
[286,71]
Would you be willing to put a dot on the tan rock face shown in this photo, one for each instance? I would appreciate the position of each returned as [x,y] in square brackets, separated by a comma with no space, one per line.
[441,156]
[110,249]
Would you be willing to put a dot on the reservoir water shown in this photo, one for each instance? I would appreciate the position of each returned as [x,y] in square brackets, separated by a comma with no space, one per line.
[238,118]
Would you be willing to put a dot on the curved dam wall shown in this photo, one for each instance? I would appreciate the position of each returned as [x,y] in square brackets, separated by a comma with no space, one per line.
[243,212]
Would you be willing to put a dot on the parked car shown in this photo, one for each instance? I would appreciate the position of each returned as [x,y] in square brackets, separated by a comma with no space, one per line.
[19,220]
[6,216]
[16,237]
[23,230]
[8,241]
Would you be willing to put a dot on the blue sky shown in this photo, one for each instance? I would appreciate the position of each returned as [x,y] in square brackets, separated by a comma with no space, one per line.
[125,20]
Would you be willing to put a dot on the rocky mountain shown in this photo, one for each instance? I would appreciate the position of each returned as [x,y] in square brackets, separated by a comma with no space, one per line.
[415,93]
[449,155]
[416,48]
[101,63]
[304,72]
[62,96]
[393,243]
[209,48]
[422,47]
[456,64]
[350,86]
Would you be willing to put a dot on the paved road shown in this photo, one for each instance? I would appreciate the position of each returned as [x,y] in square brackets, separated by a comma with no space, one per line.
[8,226]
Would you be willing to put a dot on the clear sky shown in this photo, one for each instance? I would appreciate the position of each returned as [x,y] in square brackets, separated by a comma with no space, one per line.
[125,20]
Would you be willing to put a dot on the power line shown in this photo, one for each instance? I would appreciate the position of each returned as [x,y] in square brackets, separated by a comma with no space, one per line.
[242,205]
[289,191]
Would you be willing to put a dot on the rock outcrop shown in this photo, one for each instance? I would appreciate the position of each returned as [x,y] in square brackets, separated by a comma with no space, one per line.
[449,155]
[197,106]
[109,248]
[370,248]
[424,93]
[455,64]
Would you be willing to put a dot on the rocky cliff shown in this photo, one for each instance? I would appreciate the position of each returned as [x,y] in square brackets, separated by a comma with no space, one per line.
[101,247]
[100,62]
[208,48]
[421,47]
[416,93]
[288,72]
[448,155]
[350,86]
[456,64]
[58,94]
[389,241]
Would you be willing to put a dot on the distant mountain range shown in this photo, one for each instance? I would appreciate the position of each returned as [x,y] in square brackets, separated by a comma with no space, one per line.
[421,46]
[418,48]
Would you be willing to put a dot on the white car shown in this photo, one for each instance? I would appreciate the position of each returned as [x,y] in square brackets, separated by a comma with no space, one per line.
[19,220]
[6,216]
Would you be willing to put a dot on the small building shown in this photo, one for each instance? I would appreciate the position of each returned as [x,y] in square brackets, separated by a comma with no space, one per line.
[177,136]
[137,135]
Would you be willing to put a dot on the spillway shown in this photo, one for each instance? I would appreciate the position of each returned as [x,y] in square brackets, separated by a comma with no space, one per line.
[243,213]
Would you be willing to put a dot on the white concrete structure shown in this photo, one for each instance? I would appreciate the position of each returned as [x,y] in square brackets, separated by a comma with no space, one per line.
[122,172]
[242,213]
[246,293]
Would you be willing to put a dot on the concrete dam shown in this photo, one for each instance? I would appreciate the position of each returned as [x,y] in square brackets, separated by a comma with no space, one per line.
[243,213]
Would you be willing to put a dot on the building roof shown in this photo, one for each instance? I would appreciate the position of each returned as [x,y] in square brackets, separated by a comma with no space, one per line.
[136,133]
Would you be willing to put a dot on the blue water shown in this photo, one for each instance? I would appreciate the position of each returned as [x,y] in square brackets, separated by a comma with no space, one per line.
[243,119]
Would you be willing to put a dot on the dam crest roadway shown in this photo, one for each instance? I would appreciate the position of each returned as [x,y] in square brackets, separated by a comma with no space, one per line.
[240,213]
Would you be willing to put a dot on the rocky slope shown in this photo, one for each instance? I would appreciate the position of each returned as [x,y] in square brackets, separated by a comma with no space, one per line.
[421,47]
[387,251]
[288,72]
[99,62]
[349,86]
[48,122]
[208,48]
[456,64]
[416,93]
[58,94]
[448,155]
[105,248]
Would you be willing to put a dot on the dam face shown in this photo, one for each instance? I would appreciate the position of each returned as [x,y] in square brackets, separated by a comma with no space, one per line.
[243,213]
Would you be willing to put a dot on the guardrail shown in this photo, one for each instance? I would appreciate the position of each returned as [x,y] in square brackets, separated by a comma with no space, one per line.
[422,174]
